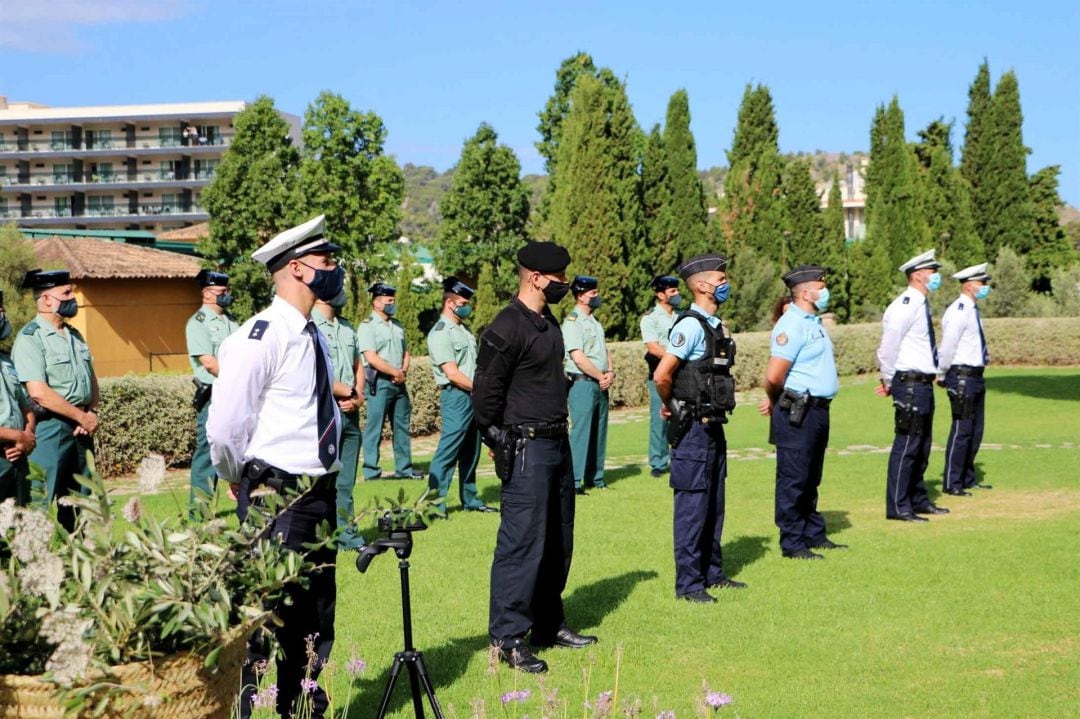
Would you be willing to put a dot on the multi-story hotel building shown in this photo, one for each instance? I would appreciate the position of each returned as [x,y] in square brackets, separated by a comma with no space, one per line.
[135,167]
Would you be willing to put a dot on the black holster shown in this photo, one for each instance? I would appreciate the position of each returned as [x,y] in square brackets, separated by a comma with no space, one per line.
[682,419]
[202,394]
[962,404]
[504,445]
[795,404]
[371,375]
[652,362]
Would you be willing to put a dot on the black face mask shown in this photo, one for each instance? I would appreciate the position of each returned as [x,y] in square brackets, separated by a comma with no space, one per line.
[224,300]
[326,284]
[68,308]
[555,291]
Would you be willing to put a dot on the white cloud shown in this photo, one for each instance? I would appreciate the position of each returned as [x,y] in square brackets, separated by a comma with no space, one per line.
[51,26]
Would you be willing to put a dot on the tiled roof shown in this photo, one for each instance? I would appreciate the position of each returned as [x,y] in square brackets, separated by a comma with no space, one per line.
[88,258]
[188,234]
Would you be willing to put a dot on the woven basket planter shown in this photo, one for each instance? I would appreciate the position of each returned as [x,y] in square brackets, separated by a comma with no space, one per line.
[187,691]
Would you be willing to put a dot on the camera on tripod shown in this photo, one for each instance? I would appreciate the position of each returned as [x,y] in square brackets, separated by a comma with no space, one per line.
[399,525]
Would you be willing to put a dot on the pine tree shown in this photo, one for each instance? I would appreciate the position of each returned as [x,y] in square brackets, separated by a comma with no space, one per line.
[834,253]
[689,216]
[1004,183]
[803,209]
[947,207]
[253,196]
[1050,248]
[484,214]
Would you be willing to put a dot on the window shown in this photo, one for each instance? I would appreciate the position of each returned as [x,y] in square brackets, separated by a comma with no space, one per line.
[63,209]
[61,174]
[2,147]
[103,139]
[3,176]
[100,205]
[61,140]
[105,172]
[209,135]
[169,136]
[3,207]
[168,170]
[170,203]
[204,169]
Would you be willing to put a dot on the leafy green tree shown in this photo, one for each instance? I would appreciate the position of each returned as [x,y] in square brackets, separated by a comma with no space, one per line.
[873,279]
[484,214]
[1050,248]
[947,205]
[1012,286]
[253,196]
[834,253]
[16,259]
[803,206]
[1066,284]
[979,146]
[409,305]
[1007,212]
[346,176]
[689,216]
[755,287]
[596,206]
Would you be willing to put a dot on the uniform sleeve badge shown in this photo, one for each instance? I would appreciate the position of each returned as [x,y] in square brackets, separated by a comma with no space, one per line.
[781,339]
[258,330]
[678,339]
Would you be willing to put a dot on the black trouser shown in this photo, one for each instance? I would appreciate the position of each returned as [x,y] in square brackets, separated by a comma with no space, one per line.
[966,432]
[910,454]
[800,456]
[698,475]
[311,612]
[535,544]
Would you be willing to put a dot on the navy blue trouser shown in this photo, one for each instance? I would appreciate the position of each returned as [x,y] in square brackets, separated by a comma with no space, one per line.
[698,473]
[966,433]
[535,544]
[800,455]
[910,453]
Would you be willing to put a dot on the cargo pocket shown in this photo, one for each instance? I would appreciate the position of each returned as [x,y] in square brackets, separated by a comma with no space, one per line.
[689,471]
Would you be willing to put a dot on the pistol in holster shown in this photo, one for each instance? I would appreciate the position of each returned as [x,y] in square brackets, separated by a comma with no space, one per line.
[371,375]
[795,405]
[202,394]
[962,403]
[504,445]
[682,419]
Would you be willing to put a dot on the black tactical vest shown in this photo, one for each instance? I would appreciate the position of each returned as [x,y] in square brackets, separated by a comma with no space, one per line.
[705,385]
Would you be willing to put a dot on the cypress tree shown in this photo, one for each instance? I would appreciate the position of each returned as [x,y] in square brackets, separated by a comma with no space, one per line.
[947,207]
[409,304]
[803,207]
[1004,184]
[486,301]
[688,214]
[659,254]
[1050,248]
[978,138]
[834,254]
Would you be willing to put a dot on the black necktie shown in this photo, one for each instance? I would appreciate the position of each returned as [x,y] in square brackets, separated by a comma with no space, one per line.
[982,337]
[325,396]
[930,329]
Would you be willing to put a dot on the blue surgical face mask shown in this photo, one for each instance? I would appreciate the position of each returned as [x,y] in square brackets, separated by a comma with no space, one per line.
[722,292]
[822,300]
[934,282]
[464,311]
[594,302]
[390,309]
[224,300]
[980,295]
[326,284]
[675,300]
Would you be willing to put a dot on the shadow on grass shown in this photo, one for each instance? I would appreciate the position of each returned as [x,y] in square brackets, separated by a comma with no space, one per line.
[588,605]
[611,476]
[1063,386]
[836,521]
[743,552]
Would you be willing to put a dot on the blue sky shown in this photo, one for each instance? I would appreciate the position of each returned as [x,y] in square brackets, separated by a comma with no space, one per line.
[435,70]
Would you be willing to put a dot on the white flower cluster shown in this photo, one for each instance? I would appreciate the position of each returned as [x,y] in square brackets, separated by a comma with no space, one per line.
[7,515]
[33,532]
[43,576]
[66,630]
[151,473]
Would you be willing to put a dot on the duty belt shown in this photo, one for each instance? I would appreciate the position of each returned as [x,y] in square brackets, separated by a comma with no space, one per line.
[540,431]
[580,377]
[822,402]
[915,377]
[259,472]
[963,370]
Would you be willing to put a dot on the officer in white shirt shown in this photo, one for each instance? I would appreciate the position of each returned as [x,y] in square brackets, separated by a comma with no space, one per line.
[907,357]
[961,363]
[272,419]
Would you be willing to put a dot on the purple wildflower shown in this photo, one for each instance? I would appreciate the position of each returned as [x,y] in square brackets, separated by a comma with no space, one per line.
[265,698]
[667,714]
[515,696]
[308,685]
[717,700]
[354,666]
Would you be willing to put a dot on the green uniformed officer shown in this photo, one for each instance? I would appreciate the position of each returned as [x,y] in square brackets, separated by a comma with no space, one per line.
[452,350]
[655,327]
[386,361]
[54,363]
[588,367]
[16,424]
[349,392]
[205,331]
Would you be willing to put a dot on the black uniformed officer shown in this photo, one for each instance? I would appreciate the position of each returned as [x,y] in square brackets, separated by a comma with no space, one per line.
[519,399]
[694,382]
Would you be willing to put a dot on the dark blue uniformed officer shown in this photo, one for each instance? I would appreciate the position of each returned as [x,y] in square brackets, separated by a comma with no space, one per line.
[519,400]
[695,383]
[800,382]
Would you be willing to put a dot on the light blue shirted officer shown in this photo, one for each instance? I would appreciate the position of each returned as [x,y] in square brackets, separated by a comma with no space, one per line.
[655,327]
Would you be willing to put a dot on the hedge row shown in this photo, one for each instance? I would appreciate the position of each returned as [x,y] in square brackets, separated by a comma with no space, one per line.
[152,413]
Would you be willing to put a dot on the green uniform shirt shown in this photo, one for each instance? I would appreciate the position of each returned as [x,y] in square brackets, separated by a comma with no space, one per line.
[449,341]
[205,331]
[656,325]
[13,398]
[60,359]
[344,350]
[583,332]
[385,337]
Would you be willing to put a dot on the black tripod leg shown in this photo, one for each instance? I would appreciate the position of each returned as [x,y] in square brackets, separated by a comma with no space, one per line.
[429,689]
[395,669]
[414,681]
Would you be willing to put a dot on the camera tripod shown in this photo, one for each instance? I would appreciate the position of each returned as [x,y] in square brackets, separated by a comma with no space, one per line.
[410,658]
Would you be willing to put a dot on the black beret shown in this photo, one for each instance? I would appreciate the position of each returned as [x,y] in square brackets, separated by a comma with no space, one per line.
[583,283]
[664,282]
[457,287]
[543,257]
[803,273]
[711,262]
[44,279]
[209,278]
[380,289]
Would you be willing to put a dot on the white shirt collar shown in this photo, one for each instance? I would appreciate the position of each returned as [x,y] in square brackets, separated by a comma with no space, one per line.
[295,321]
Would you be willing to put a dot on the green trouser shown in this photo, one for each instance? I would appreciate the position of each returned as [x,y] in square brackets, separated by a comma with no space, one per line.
[658,445]
[61,454]
[203,477]
[346,480]
[588,432]
[459,446]
[14,481]
[389,400]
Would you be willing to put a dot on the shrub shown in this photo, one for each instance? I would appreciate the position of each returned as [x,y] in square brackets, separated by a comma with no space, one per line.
[141,414]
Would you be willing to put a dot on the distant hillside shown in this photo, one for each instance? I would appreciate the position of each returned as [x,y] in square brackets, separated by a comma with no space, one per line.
[424,187]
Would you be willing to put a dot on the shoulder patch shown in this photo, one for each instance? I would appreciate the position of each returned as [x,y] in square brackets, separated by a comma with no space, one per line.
[494,339]
[781,339]
[366,321]
[258,329]
[907,300]
[439,326]
[30,328]
[960,306]
[572,317]
[200,316]
[678,339]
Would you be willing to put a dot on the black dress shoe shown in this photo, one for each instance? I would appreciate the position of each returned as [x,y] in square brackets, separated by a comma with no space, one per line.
[727,583]
[580,491]
[567,637]
[957,493]
[907,517]
[802,554]
[931,509]
[828,544]
[981,486]
[658,472]
[522,658]
[700,596]
[481,508]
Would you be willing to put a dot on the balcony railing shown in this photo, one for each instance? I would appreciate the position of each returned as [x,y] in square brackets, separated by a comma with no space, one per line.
[10,214]
[118,145]
[143,210]
[46,179]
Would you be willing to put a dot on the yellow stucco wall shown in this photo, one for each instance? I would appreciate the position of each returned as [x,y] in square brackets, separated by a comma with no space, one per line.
[136,325]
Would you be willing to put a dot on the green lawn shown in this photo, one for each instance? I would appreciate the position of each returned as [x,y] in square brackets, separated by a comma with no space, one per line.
[976,614]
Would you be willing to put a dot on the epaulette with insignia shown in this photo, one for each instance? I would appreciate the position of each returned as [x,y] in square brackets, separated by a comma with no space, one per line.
[907,300]
[30,328]
[200,316]
[258,330]
[960,306]
[439,326]
[572,317]
[366,321]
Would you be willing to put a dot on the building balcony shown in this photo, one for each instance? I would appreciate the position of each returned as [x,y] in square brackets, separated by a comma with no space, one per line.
[141,146]
[44,182]
[154,212]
